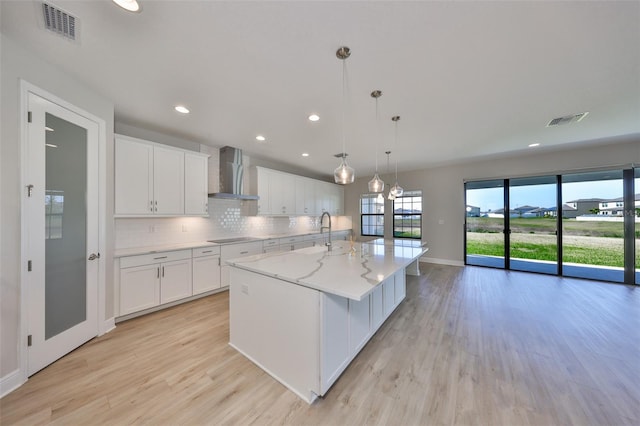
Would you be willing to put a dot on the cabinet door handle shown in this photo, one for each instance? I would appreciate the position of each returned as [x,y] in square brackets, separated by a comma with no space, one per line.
[207,251]
[158,272]
[161,257]
[163,271]
[219,263]
[244,252]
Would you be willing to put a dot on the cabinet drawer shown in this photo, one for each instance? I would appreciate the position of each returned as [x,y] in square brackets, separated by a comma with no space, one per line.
[147,259]
[291,240]
[315,237]
[270,243]
[230,251]
[206,251]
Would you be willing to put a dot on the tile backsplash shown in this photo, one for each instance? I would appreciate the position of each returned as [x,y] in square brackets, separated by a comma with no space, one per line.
[226,219]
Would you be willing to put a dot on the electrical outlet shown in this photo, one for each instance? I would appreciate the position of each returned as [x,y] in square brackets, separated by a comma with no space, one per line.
[245,289]
[441,222]
[184,228]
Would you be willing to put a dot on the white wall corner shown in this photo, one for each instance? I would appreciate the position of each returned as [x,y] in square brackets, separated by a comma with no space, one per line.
[107,326]
[10,382]
[441,261]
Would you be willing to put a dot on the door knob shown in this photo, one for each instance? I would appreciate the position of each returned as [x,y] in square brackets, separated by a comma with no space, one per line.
[94,256]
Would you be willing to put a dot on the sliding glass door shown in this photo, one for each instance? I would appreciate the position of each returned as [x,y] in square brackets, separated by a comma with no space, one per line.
[636,213]
[593,225]
[484,236]
[582,225]
[533,226]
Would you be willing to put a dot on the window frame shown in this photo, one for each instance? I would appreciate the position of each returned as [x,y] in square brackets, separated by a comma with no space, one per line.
[413,215]
[380,215]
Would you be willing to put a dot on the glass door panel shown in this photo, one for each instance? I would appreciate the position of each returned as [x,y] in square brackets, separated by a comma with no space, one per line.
[484,236]
[65,225]
[593,225]
[533,224]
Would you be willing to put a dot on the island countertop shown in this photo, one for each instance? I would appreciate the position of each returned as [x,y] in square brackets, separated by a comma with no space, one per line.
[340,271]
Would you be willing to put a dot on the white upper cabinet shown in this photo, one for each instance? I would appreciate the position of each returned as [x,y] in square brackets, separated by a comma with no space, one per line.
[158,180]
[282,193]
[287,194]
[133,178]
[196,197]
[261,180]
[168,181]
[305,196]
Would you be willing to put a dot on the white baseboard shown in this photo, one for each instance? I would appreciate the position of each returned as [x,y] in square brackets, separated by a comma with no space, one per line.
[10,382]
[107,326]
[442,261]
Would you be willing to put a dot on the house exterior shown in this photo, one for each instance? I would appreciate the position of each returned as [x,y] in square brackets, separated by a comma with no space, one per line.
[584,206]
[473,211]
[615,206]
[568,211]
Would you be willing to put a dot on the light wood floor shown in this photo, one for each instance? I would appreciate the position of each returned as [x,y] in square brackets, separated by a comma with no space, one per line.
[468,346]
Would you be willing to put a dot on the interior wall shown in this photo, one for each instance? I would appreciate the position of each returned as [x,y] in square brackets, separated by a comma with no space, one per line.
[443,188]
[17,63]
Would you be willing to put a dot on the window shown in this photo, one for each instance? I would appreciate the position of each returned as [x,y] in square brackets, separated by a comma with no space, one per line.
[53,209]
[407,215]
[372,215]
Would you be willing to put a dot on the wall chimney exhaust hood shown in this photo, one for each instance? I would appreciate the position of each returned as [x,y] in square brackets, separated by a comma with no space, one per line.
[232,176]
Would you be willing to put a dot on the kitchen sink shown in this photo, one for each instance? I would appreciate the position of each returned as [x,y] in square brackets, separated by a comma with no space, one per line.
[233,240]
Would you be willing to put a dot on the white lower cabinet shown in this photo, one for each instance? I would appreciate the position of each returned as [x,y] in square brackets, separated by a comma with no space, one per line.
[150,280]
[400,287]
[206,269]
[233,251]
[278,324]
[175,280]
[139,288]
[388,296]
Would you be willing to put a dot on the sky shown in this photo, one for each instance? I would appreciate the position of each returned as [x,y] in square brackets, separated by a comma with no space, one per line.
[545,195]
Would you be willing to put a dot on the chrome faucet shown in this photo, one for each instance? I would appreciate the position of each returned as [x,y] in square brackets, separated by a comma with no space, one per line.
[322,228]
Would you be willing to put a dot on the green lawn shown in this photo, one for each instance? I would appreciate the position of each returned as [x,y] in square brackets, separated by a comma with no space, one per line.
[543,225]
[585,250]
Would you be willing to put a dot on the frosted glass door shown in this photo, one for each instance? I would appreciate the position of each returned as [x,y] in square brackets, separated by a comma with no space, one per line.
[65,225]
[61,211]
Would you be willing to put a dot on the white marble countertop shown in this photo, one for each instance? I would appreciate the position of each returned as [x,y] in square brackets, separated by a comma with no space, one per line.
[133,251]
[161,248]
[337,272]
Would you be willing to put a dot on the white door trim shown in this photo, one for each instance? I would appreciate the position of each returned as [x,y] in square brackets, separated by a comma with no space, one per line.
[104,325]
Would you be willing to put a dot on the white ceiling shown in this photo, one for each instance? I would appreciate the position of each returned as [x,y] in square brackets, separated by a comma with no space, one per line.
[469,79]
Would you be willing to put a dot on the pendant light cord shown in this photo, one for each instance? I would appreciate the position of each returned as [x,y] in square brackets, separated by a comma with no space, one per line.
[377,134]
[396,144]
[344,73]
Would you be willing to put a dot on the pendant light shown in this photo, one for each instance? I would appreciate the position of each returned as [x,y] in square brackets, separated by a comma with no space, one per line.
[376,184]
[343,174]
[392,195]
[396,189]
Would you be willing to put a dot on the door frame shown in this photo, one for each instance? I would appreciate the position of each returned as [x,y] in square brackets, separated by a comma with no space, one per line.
[103,327]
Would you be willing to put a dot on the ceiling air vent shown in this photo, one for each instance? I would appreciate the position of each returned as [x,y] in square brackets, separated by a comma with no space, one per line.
[59,21]
[573,118]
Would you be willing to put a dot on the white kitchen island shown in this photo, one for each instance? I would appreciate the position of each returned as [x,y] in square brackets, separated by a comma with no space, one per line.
[303,315]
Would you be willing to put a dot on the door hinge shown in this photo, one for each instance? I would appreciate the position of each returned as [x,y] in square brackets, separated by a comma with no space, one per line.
[28,116]
[29,340]
[29,266]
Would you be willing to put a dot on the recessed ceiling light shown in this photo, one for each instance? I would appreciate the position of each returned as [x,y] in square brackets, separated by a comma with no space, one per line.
[182,109]
[48,129]
[533,145]
[314,117]
[261,138]
[130,5]
[305,154]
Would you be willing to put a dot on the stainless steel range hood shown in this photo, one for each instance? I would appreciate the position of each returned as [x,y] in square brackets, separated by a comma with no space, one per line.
[232,175]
